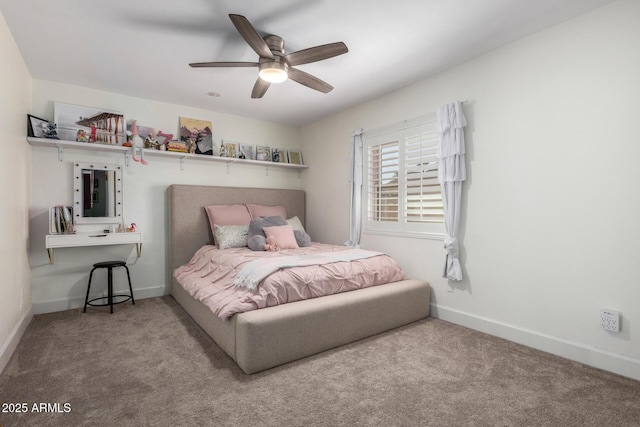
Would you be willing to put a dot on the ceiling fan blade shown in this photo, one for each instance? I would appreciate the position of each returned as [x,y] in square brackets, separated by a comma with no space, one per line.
[223,64]
[251,36]
[314,54]
[260,88]
[308,80]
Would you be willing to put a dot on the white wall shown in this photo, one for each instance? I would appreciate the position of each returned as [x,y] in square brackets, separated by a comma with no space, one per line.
[62,285]
[15,195]
[549,227]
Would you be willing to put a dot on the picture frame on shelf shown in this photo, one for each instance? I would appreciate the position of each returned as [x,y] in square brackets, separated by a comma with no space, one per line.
[231,149]
[36,126]
[295,157]
[101,125]
[263,152]
[248,150]
[282,155]
[197,135]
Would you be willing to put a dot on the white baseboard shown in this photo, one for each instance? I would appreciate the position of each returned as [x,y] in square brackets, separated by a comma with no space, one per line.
[591,356]
[14,338]
[41,307]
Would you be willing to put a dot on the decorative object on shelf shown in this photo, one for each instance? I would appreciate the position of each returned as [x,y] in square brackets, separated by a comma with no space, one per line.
[263,153]
[33,126]
[276,156]
[61,220]
[49,130]
[295,157]
[248,151]
[137,144]
[282,158]
[177,146]
[132,228]
[223,150]
[151,142]
[197,133]
[40,128]
[231,149]
[163,139]
[143,131]
[82,136]
[102,126]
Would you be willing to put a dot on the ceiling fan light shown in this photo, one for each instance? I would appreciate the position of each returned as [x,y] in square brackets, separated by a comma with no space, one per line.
[273,72]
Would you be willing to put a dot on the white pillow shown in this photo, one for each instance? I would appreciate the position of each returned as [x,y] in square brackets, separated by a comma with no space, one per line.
[231,236]
[296,223]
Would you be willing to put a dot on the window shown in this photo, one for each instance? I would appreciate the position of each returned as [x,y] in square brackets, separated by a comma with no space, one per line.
[402,190]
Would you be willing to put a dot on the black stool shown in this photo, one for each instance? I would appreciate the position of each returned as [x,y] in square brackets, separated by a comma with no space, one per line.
[109,265]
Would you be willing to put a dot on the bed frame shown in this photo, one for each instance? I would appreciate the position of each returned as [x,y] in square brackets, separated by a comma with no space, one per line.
[265,338]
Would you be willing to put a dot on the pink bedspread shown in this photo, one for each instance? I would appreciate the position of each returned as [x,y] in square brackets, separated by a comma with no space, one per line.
[209,278]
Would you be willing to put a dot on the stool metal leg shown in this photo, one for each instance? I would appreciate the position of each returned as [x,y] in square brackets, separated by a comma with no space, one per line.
[86,299]
[110,287]
[130,288]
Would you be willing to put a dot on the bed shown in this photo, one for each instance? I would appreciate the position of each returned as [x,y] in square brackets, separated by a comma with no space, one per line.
[261,339]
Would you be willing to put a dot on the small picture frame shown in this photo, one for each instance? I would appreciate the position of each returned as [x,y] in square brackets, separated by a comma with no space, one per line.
[263,153]
[248,151]
[35,126]
[281,157]
[231,149]
[295,157]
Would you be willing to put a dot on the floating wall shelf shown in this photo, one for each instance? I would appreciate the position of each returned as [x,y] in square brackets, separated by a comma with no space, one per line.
[60,145]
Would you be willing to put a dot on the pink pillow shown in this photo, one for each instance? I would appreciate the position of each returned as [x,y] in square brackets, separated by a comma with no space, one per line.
[227,215]
[284,236]
[256,211]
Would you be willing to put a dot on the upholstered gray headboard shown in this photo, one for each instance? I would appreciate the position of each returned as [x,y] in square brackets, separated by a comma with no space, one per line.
[188,223]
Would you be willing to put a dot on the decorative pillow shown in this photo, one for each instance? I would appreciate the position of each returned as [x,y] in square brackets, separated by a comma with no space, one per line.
[231,236]
[227,215]
[272,244]
[302,238]
[296,223]
[256,237]
[283,235]
[257,242]
[256,211]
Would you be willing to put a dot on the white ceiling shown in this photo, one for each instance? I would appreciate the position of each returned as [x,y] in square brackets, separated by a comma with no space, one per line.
[142,48]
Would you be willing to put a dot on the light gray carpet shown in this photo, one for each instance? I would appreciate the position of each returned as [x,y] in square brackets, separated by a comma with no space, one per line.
[150,364]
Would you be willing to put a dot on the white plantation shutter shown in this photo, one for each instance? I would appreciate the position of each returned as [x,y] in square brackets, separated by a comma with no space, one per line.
[423,199]
[402,188]
[384,163]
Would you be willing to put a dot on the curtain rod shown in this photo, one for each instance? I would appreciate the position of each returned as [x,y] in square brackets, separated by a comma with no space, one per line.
[407,123]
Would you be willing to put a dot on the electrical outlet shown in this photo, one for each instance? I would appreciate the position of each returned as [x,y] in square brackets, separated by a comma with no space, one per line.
[610,320]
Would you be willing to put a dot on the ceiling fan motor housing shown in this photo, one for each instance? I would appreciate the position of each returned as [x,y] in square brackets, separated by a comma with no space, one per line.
[274,70]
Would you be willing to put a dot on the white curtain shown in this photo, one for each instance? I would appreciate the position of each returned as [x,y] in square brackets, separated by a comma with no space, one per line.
[355,177]
[451,172]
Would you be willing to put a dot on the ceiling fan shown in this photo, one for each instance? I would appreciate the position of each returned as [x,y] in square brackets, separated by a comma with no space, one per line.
[274,64]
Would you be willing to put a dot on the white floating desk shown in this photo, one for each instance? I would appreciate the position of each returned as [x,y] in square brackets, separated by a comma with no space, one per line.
[54,241]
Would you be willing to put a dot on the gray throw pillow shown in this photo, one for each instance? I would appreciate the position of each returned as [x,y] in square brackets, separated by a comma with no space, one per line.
[255,236]
[302,238]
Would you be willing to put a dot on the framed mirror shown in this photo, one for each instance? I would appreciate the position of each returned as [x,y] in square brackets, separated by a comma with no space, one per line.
[97,193]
